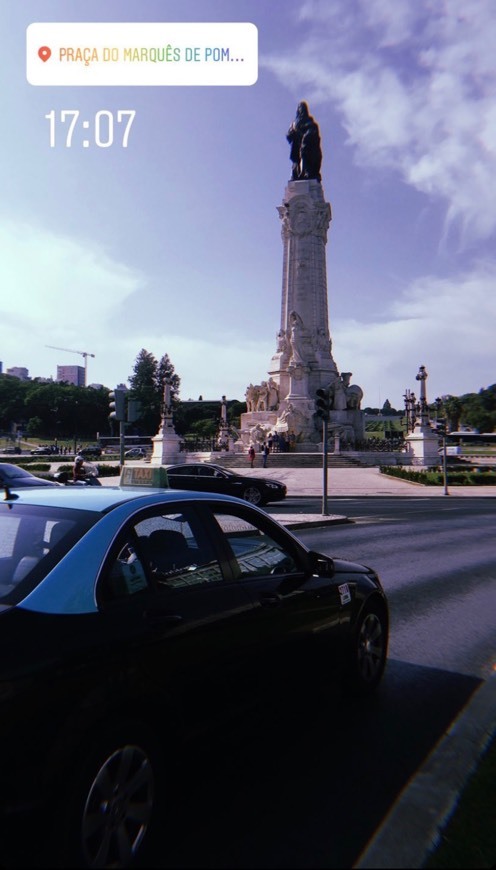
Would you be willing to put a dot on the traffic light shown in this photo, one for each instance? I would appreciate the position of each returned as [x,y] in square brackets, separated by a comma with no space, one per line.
[323,402]
[133,410]
[117,405]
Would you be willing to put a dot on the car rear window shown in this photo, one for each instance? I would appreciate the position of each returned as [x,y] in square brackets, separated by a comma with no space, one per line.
[32,540]
[10,473]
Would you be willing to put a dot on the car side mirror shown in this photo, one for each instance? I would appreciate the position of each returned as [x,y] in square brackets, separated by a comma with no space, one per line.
[322,566]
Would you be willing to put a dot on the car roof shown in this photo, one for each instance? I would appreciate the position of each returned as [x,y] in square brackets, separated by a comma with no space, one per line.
[195,465]
[10,466]
[103,498]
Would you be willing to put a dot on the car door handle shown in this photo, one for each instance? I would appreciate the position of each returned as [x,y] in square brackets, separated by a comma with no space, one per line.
[163,619]
[270,599]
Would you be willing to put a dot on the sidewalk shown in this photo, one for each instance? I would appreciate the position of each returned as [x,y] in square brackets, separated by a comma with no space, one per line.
[349,483]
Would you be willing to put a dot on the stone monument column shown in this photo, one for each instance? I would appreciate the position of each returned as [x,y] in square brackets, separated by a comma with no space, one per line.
[303,360]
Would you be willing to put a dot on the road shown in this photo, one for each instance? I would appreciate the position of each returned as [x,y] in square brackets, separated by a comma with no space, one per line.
[307,786]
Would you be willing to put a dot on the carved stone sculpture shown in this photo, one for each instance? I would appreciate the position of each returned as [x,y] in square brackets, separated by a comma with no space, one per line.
[296,338]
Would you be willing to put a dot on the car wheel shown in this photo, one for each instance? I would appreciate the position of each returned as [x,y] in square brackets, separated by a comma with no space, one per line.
[367,658]
[111,801]
[253,495]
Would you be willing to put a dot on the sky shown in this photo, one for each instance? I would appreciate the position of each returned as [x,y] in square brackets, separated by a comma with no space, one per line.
[173,244]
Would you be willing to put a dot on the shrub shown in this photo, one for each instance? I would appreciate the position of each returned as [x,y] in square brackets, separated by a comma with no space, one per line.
[436,478]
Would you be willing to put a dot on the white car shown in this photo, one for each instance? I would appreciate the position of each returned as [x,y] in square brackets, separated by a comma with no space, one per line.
[135,453]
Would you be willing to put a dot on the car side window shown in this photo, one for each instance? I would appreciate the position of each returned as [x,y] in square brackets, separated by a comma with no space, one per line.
[206,472]
[177,551]
[256,552]
[126,575]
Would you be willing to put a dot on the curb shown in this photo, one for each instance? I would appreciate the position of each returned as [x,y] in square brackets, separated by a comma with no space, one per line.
[412,828]
[306,522]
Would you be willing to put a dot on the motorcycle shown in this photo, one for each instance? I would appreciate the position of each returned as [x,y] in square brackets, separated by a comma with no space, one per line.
[90,476]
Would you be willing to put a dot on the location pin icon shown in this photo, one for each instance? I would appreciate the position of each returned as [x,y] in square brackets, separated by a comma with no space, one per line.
[44,53]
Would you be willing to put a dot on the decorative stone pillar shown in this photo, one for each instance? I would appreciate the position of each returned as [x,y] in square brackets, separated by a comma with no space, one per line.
[166,444]
[422,444]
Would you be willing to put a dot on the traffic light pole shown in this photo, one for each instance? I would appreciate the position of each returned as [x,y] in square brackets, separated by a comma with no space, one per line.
[323,408]
[325,512]
[445,466]
[122,441]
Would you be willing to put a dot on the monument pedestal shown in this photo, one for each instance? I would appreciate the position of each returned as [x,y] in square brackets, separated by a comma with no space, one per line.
[423,447]
[166,447]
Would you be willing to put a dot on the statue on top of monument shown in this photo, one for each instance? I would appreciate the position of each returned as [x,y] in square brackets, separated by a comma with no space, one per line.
[304,137]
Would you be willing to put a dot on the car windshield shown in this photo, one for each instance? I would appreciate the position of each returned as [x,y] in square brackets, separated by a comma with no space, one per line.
[32,540]
[10,472]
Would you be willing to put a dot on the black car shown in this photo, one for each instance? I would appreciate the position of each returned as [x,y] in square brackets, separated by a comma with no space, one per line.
[207,477]
[91,452]
[128,619]
[15,477]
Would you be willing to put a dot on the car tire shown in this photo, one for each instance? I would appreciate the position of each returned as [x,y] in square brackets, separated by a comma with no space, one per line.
[253,495]
[368,651]
[112,800]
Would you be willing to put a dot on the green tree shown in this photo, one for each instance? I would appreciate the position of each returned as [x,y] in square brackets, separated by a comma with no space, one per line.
[452,408]
[145,388]
[13,392]
[166,372]
[479,409]
[35,427]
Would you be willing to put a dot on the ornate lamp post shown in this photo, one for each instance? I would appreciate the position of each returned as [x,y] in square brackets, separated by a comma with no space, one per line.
[411,408]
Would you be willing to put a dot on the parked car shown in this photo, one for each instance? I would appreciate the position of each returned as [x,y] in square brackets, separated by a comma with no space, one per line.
[40,451]
[135,453]
[208,477]
[16,478]
[16,450]
[127,616]
[91,452]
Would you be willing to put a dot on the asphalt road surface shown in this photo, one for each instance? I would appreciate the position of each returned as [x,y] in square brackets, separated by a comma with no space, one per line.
[306,786]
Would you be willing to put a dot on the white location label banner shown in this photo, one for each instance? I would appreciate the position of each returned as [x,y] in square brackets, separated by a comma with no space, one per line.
[136,53]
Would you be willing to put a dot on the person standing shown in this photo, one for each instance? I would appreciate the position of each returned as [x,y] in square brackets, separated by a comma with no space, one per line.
[251,455]
[265,453]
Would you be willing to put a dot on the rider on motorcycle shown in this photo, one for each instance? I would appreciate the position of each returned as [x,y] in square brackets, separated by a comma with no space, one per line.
[85,472]
[78,472]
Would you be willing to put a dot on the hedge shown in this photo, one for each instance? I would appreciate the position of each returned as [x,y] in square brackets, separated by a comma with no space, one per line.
[436,478]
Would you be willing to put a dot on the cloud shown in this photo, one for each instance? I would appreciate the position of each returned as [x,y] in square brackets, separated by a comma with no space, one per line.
[414,84]
[444,324]
[57,291]
[210,368]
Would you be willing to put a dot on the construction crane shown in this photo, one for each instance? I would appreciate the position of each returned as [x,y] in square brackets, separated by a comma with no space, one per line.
[83,353]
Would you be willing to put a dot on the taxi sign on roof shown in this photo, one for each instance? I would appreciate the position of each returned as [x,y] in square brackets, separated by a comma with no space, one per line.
[132,475]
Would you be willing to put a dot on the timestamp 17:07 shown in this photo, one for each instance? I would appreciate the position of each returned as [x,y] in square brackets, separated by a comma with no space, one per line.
[98,131]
